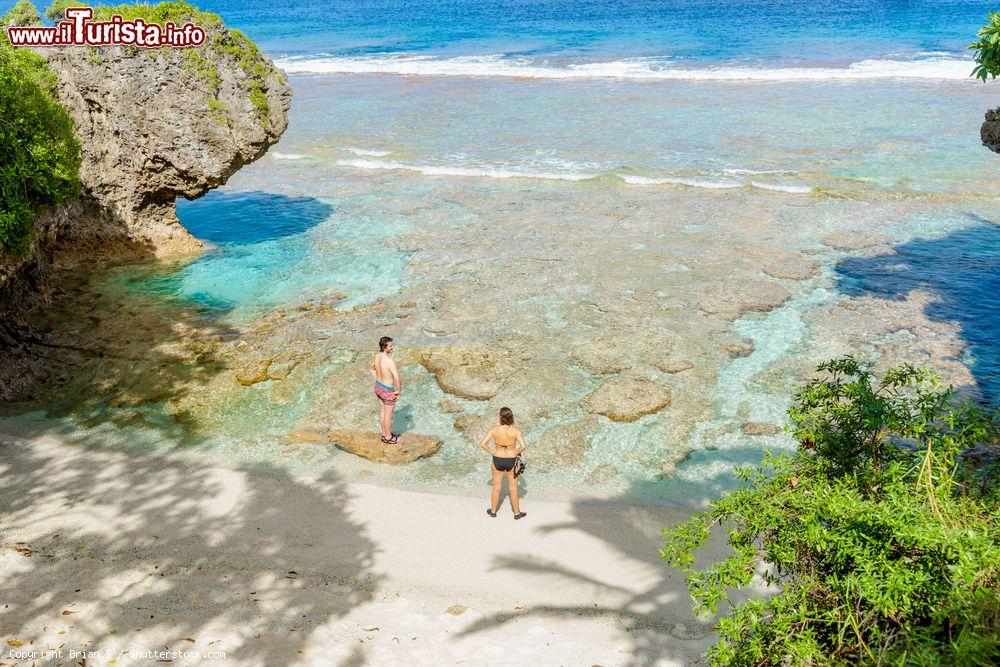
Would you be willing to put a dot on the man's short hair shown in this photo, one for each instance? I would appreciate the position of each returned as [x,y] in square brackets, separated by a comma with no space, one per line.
[383,343]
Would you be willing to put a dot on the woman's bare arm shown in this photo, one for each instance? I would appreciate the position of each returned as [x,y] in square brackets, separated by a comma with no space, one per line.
[486,440]
[520,441]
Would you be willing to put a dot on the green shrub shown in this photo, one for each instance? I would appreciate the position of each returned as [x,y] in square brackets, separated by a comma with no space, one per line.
[23,13]
[879,534]
[988,48]
[39,156]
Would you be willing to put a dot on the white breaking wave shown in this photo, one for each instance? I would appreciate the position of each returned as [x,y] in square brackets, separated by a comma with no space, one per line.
[497,172]
[365,152]
[635,68]
[287,156]
[781,187]
[482,172]
[721,184]
[757,172]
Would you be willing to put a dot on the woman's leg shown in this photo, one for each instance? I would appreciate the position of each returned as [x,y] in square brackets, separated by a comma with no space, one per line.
[512,489]
[497,483]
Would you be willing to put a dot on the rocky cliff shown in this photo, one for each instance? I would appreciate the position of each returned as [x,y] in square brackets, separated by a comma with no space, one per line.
[990,131]
[154,125]
[167,123]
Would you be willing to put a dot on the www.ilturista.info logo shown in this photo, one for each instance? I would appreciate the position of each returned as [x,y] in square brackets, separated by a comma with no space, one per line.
[79,30]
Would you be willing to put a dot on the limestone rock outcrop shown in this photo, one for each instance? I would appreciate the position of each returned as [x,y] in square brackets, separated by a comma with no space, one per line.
[990,130]
[155,125]
[368,445]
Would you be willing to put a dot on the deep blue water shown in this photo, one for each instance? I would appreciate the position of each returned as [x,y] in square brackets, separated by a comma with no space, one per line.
[704,31]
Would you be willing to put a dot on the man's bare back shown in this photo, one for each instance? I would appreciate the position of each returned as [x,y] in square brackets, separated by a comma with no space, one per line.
[384,370]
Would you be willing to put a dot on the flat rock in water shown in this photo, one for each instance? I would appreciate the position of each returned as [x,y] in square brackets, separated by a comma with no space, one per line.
[739,296]
[759,428]
[464,372]
[625,399]
[743,347]
[369,445]
[851,241]
[802,269]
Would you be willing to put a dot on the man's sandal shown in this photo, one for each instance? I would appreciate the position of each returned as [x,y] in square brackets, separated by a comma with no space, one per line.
[520,515]
[492,513]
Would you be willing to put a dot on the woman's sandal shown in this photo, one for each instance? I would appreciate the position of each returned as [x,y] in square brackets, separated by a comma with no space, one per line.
[492,513]
[520,515]
[394,440]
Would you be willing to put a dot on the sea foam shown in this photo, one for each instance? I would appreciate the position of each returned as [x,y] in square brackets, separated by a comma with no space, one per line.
[484,171]
[474,171]
[635,68]
[367,152]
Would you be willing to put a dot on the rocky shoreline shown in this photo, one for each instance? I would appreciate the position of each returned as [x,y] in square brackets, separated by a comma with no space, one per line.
[151,129]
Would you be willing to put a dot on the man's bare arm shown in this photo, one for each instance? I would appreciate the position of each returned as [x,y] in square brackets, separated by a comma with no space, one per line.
[371,369]
[397,382]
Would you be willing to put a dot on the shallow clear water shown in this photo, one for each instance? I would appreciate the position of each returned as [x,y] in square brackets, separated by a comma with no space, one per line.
[415,124]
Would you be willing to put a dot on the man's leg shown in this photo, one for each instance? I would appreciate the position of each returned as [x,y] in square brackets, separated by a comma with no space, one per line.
[383,409]
[388,420]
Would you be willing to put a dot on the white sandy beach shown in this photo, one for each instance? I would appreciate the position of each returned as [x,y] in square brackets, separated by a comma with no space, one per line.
[118,553]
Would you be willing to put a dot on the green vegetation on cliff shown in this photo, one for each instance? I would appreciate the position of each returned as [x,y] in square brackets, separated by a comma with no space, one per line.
[988,48]
[39,156]
[880,535]
[202,60]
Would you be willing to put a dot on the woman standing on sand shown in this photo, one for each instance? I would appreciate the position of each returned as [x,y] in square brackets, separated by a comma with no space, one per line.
[508,443]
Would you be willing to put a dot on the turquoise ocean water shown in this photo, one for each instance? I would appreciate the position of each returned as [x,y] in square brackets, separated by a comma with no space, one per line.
[396,101]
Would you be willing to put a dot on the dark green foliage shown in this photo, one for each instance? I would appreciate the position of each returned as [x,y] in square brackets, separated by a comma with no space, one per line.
[988,48]
[39,156]
[879,535]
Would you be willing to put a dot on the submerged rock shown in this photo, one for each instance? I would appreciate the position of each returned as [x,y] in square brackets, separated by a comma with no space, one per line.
[563,445]
[626,398]
[743,347]
[792,269]
[759,428]
[601,475]
[465,372]
[368,445]
[672,366]
[601,356]
[739,296]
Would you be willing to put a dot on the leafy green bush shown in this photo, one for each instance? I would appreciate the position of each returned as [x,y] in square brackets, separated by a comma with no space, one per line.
[879,535]
[988,48]
[23,13]
[39,156]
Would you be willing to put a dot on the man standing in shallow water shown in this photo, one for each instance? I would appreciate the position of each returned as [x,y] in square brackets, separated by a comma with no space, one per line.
[388,387]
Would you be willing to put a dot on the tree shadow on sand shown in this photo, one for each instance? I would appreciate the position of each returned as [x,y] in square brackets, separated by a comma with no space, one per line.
[149,552]
[653,610]
[962,270]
